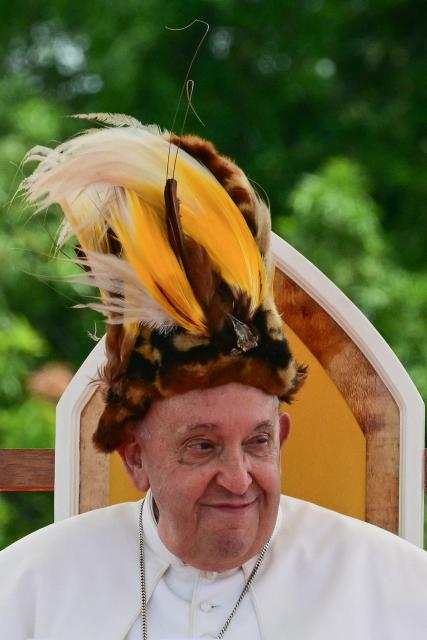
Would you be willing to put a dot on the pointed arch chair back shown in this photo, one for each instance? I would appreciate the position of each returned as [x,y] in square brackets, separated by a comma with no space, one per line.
[357,443]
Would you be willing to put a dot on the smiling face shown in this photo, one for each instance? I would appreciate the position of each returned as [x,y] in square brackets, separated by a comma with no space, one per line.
[212,460]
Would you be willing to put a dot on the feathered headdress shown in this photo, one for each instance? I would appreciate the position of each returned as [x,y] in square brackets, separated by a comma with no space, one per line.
[182,264]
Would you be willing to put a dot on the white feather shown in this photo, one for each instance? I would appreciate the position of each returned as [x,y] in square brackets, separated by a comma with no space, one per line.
[134,158]
[113,119]
[124,298]
[121,120]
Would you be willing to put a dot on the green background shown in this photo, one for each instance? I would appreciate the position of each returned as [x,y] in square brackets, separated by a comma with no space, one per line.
[322,103]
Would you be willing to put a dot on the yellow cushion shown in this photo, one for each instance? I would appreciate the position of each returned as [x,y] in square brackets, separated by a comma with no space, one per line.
[324,460]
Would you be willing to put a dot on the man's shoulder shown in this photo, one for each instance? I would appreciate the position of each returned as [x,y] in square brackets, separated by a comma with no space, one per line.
[326,529]
[334,548]
[62,576]
[99,529]
[330,575]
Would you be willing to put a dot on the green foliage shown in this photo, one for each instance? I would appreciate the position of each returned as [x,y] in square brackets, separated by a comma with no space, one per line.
[19,346]
[335,222]
[320,102]
[31,424]
[22,513]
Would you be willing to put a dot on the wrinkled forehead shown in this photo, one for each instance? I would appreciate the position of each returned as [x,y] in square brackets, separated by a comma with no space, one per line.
[224,405]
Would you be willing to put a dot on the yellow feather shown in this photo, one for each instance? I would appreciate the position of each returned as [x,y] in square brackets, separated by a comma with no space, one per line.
[116,178]
[155,262]
[91,237]
[211,217]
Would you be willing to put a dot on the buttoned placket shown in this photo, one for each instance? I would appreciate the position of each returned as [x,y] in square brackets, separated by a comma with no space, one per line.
[212,597]
[209,596]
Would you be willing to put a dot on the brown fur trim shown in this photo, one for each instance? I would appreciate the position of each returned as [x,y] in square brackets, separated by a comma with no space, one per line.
[162,365]
[296,383]
[226,369]
[126,405]
[186,341]
[119,420]
[113,429]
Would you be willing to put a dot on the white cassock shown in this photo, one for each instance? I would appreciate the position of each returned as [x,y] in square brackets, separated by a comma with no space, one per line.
[188,603]
[324,577]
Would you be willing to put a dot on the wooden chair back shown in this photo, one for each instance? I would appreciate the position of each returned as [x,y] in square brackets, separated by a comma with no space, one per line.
[357,444]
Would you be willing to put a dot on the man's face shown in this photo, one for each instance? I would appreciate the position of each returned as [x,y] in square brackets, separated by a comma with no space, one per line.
[212,460]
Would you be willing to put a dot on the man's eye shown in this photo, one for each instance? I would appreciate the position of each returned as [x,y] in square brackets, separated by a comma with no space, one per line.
[200,445]
[260,441]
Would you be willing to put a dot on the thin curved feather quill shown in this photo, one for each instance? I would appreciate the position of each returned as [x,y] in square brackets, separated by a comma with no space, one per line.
[111,119]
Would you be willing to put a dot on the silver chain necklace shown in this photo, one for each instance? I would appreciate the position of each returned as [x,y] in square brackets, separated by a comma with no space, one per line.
[143,612]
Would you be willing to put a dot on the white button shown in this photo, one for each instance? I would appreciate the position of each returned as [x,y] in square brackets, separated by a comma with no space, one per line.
[211,575]
[206,606]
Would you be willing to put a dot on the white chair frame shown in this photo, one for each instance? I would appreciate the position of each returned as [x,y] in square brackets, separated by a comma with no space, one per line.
[352,321]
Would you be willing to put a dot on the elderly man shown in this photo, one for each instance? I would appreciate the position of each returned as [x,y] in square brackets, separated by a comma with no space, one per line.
[197,365]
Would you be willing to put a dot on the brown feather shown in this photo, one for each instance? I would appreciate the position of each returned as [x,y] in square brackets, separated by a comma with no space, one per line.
[200,273]
[173,221]
[81,256]
[204,280]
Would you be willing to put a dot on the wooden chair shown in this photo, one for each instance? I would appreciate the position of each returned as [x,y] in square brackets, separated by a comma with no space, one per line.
[357,444]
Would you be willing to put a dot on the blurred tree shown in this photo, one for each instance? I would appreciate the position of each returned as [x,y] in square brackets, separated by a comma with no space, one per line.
[320,101]
[335,223]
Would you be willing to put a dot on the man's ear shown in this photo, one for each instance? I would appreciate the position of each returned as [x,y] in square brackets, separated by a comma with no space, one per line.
[284,427]
[131,455]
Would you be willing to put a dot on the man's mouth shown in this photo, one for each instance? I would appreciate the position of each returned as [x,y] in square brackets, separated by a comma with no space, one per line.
[232,506]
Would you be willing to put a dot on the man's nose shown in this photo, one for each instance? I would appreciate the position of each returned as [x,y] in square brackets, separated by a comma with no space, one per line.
[234,473]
